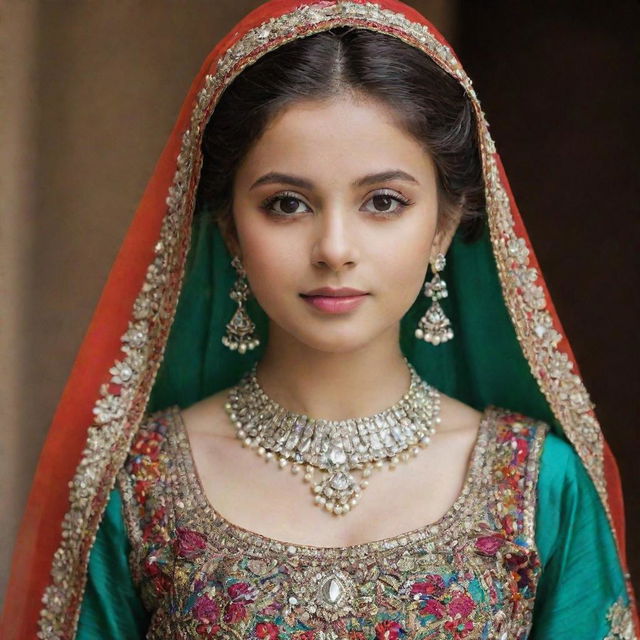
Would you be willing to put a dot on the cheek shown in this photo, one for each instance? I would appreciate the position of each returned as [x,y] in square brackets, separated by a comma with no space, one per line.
[405,261]
[406,272]
[267,257]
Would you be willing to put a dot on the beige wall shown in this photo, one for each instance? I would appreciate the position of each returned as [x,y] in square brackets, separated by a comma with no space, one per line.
[17,69]
[90,91]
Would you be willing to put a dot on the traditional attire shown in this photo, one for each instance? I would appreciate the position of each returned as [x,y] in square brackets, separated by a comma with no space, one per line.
[119,539]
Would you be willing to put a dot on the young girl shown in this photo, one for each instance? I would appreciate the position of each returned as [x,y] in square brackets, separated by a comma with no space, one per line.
[327,279]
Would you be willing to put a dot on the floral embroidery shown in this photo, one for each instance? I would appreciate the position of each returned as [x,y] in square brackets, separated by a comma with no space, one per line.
[389,630]
[240,594]
[489,545]
[432,585]
[189,544]
[267,630]
[472,574]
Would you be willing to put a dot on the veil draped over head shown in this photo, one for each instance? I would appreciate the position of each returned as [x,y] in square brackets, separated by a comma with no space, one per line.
[155,338]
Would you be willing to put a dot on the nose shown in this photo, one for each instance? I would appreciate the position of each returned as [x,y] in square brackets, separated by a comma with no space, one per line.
[334,243]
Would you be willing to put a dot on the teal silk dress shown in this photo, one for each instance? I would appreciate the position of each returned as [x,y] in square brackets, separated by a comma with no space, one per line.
[525,551]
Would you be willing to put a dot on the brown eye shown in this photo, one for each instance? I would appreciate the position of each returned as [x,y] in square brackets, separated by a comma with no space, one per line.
[284,205]
[288,204]
[387,203]
[383,203]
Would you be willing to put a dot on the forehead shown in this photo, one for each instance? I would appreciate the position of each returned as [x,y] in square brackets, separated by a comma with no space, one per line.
[334,139]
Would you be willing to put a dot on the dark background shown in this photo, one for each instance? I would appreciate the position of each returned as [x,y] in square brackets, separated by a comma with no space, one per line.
[559,84]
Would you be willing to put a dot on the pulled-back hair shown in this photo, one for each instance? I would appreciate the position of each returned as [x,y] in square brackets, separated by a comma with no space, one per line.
[430,105]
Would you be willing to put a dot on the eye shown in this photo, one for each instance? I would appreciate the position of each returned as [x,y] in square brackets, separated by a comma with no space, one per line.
[283,204]
[388,203]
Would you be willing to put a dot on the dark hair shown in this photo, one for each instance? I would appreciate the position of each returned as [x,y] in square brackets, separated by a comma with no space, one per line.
[431,105]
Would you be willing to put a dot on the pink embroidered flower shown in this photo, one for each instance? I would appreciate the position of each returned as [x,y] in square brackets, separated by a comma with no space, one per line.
[433,607]
[389,630]
[189,543]
[207,630]
[489,545]
[242,591]
[305,635]
[461,605]
[235,612]
[206,609]
[267,630]
[432,585]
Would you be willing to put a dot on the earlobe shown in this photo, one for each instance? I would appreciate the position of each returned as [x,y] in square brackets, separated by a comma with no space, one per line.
[442,241]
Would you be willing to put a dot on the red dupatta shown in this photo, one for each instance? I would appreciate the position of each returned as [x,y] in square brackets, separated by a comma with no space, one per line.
[103,403]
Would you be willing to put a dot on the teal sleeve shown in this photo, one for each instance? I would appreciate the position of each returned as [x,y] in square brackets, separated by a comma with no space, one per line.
[111,608]
[581,574]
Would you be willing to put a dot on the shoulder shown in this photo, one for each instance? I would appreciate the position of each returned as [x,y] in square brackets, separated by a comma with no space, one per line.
[563,475]
[516,434]
[208,417]
[504,435]
[148,461]
[514,442]
[558,456]
[144,479]
[150,439]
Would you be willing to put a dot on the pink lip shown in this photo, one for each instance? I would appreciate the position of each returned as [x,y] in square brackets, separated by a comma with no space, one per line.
[329,291]
[335,304]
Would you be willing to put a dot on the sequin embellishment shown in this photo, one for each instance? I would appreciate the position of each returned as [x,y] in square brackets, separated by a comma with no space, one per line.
[620,619]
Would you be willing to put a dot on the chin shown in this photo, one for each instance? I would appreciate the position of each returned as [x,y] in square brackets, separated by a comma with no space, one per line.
[331,342]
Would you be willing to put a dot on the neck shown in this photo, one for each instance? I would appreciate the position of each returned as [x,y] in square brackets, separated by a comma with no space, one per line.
[334,386]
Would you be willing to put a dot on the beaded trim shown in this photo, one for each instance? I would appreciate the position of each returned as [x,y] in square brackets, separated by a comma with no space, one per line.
[621,621]
[121,404]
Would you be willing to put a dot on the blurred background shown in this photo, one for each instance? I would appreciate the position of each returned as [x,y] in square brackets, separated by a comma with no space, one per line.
[90,91]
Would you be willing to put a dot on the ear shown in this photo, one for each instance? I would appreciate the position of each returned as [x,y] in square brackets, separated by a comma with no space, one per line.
[229,234]
[442,241]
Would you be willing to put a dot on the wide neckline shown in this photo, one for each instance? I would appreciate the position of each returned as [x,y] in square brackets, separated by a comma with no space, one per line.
[463,506]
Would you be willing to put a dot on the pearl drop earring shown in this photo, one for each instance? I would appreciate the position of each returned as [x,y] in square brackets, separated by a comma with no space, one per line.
[434,326]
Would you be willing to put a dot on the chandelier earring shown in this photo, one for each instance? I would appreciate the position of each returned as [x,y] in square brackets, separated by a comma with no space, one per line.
[240,335]
[434,326]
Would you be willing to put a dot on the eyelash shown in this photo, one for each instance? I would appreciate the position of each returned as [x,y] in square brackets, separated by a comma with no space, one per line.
[403,202]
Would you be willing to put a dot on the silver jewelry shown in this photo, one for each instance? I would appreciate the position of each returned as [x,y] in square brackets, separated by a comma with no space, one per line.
[434,326]
[240,334]
[334,448]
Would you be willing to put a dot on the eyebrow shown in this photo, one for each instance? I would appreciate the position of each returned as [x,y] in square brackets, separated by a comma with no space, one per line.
[303,183]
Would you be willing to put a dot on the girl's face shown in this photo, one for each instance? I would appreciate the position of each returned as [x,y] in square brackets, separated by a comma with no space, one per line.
[335,194]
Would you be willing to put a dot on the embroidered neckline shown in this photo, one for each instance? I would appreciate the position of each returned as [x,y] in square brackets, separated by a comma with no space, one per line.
[459,512]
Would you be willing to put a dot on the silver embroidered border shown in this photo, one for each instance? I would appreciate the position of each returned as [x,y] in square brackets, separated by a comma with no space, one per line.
[620,622]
